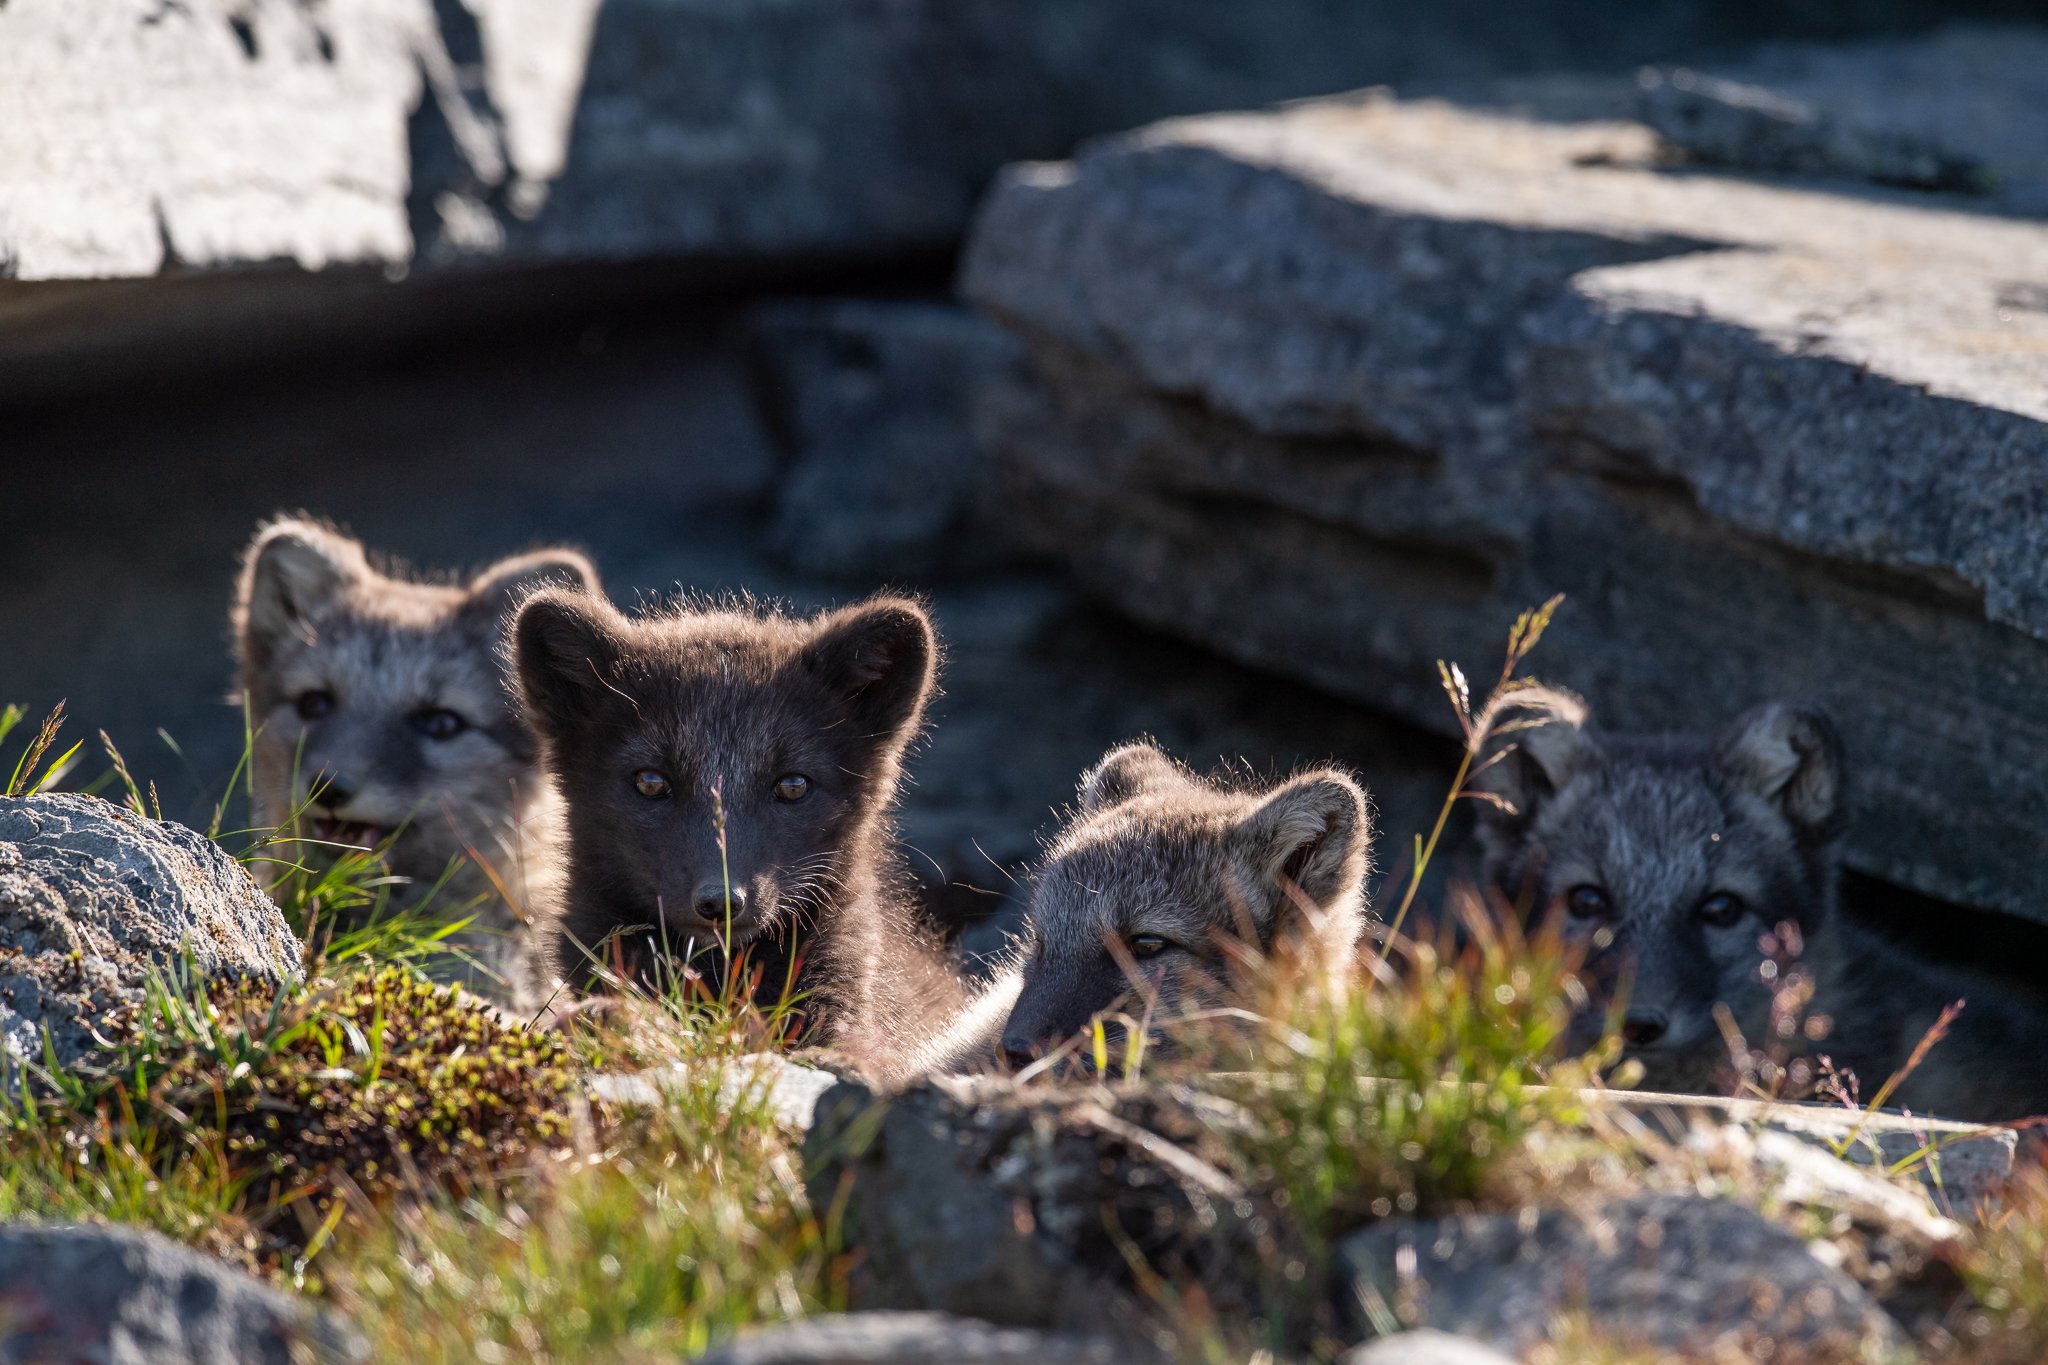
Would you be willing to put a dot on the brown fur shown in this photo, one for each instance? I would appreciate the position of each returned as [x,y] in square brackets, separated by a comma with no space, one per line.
[724,703]
[314,617]
[1217,874]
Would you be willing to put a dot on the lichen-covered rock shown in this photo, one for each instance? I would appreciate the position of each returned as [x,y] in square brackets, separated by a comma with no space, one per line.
[125,1296]
[910,1339]
[93,898]
[1678,1273]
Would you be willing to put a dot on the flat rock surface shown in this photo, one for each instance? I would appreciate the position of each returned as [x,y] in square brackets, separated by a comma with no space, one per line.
[1341,387]
[129,1297]
[1670,1272]
[94,897]
[909,1339]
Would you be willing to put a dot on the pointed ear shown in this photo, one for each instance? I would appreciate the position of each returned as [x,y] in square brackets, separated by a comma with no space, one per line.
[1538,748]
[564,646]
[1791,756]
[508,582]
[1124,772]
[1314,830]
[881,658]
[291,573]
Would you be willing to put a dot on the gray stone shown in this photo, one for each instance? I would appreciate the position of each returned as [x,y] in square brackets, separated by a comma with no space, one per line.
[93,898]
[874,404]
[1944,111]
[984,1199]
[909,1339]
[130,1297]
[1424,1347]
[1675,1273]
[1340,388]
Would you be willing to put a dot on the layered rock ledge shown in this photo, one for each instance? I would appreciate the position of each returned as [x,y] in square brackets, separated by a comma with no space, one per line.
[1339,388]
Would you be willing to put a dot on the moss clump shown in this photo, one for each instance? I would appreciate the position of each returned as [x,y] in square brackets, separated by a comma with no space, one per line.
[374,1083]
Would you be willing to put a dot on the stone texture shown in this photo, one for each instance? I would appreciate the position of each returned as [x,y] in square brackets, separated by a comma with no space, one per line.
[1933,111]
[873,402]
[1341,388]
[1674,1273]
[984,1199]
[93,898]
[788,1090]
[909,1339]
[128,1297]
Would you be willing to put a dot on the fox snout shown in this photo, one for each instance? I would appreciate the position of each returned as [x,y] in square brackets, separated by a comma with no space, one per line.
[1057,1001]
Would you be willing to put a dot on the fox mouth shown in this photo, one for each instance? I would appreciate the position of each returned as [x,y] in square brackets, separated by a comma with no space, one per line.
[353,833]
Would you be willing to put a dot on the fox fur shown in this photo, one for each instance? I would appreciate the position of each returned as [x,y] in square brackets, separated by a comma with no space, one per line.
[1698,875]
[728,775]
[381,719]
[1164,884]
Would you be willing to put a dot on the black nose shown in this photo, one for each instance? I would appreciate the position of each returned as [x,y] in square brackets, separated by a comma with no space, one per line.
[1640,1028]
[333,791]
[1019,1053]
[713,900]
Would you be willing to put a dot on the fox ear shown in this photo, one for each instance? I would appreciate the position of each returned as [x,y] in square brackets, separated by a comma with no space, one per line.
[505,584]
[1790,755]
[1315,831]
[881,658]
[564,644]
[1537,750]
[292,571]
[1123,773]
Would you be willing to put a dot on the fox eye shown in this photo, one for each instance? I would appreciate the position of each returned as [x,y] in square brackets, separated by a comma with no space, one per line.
[1586,902]
[792,787]
[313,705]
[651,784]
[1147,945]
[1720,909]
[439,723]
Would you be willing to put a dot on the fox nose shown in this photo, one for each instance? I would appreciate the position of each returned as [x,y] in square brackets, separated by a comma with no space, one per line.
[1018,1052]
[1641,1028]
[714,898]
[332,791]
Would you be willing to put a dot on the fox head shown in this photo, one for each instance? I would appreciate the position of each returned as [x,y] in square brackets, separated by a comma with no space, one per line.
[1671,862]
[726,774]
[1163,883]
[378,701]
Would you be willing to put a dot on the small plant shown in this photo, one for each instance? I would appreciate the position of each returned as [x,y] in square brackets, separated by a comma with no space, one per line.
[296,1096]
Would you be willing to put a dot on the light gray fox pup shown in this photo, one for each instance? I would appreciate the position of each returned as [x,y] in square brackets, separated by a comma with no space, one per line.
[380,711]
[1165,883]
[1698,874]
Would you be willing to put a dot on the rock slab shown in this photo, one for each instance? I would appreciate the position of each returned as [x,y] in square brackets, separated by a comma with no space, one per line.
[1340,388]
[129,1297]
[93,898]
[1672,1272]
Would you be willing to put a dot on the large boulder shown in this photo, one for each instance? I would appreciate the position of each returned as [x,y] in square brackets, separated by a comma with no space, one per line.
[93,898]
[125,1296]
[1340,388]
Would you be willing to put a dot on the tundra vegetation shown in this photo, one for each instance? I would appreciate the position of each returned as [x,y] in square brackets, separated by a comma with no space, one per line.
[440,1172]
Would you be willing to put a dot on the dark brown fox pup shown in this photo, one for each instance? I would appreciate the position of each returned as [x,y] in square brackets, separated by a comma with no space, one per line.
[727,777]
[1165,883]
[1698,872]
[379,708]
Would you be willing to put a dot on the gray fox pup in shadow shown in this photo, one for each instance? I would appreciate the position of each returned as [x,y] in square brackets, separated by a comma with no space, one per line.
[1698,873]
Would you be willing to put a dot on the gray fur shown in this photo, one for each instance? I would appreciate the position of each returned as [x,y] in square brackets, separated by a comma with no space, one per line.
[1220,873]
[313,614]
[1659,825]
